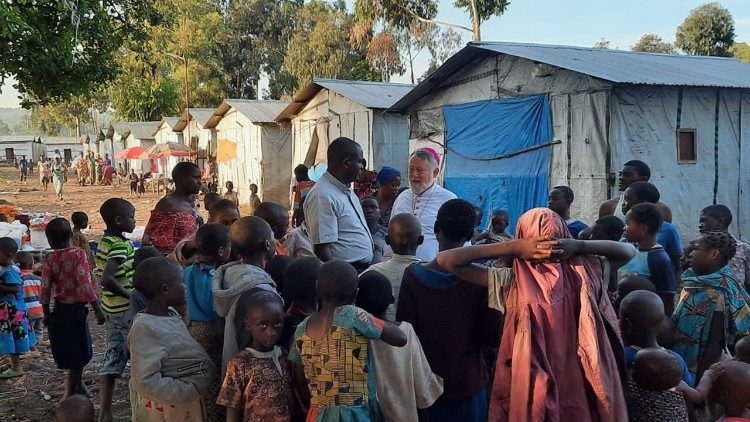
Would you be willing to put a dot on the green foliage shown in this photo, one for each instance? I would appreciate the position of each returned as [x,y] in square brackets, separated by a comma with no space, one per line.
[708,31]
[448,44]
[52,58]
[4,128]
[397,14]
[144,91]
[741,50]
[652,43]
[603,43]
[485,8]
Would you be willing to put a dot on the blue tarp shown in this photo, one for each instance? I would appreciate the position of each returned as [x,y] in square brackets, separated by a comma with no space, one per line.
[479,134]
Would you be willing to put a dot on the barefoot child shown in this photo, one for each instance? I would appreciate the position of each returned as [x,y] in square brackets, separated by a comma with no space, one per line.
[15,336]
[32,291]
[171,372]
[114,267]
[333,348]
[405,382]
[258,383]
[66,279]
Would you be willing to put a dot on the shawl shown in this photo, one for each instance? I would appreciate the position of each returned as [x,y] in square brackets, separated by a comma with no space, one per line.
[166,229]
[696,308]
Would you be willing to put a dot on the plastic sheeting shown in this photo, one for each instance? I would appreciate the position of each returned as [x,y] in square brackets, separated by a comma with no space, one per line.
[489,162]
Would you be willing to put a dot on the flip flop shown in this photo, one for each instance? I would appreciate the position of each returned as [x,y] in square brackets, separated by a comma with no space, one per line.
[10,373]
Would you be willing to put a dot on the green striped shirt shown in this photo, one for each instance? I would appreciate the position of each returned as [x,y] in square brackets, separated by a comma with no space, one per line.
[117,247]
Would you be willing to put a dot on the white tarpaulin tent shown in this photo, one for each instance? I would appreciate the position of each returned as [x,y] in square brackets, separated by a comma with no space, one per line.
[688,117]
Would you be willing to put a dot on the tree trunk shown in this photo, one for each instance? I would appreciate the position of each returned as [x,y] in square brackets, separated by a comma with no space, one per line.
[411,59]
[476,29]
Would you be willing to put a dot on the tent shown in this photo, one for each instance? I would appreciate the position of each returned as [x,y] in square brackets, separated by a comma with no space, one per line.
[688,117]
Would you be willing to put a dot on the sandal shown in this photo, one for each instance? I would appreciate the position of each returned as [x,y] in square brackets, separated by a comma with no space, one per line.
[10,373]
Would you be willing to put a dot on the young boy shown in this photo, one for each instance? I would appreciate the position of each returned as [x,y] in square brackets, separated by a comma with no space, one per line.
[114,268]
[253,243]
[66,279]
[608,228]
[223,212]
[81,222]
[299,292]
[254,198]
[667,235]
[641,319]
[405,382]
[231,194]
[732,390]
[404,236]
[718,218]
[278,218]
[171,373]
[209,199]
[560,199]
[372,218]
[137,299]
[32,291]
[652,261]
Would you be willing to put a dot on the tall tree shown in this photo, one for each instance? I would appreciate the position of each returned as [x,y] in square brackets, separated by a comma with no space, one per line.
[741,50]
[144,91]
[418,37]
[383,54]
[653,43]
[707,31]
[449,43]
[4,128]
[57,49]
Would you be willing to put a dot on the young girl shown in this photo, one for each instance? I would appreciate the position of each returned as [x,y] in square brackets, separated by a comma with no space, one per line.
[66,278]
[258,381]
[15,336]
[712,312]
[333,348]
[80,222]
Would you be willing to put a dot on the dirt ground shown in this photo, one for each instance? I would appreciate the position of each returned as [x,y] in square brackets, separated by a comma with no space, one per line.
[33,396]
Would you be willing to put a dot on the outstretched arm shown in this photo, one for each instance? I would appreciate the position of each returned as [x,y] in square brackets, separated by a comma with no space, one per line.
[618,251]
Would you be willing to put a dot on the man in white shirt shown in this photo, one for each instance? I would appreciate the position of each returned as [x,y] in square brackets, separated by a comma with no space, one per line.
[424,198]
[335,220]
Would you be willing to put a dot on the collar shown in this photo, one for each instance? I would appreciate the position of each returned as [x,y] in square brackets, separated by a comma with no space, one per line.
[336,182]
[274,355]
[405,258]
[110,232]
[203,267]
[27,272]
[434,186]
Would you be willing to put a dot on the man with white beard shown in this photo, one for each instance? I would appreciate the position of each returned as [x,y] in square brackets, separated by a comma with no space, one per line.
[424,198]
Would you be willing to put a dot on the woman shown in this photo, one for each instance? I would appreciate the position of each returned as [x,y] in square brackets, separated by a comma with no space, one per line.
[108,174]
[82,168]
[174,218]
[389,180]
[58,177]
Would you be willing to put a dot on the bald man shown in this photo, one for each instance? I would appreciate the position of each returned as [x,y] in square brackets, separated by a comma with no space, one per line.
[404,237]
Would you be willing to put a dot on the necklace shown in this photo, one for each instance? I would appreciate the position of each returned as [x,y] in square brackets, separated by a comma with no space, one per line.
[416,198]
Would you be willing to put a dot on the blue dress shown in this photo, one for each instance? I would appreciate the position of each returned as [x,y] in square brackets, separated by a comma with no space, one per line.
[15,336]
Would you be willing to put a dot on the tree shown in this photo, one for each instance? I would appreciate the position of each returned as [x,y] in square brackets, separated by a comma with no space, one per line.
[603,44]
[57,49]
[418,37]
[741,50]
[4,128]
[652,43]
[69,115]
[449,43]
[382,53]
[707,31]
[144,91]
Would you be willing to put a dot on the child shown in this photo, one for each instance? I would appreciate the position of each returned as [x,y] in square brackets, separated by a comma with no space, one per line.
[404,236]
[652,261]
[133,183]
[641,319]
[628,285]
[497,231]
[405,382]
[224,212]
[440,308]
[204,325]
[742,350]
[114,268]
[297,242]
[276,268]
[77,408]
[607,228]
[378,232]
[713,311]
[66,278]
[301,189]
[209,199]
[170,371]
[732,390]
[667,234]
[560,199]
[254,198]
[32,291]
[252,241]
[15,336]
[278,218]
[258,383]
[478,221]
[80,222]
[299,292]
[718,218]
[231,194]
[658,392]
[137,299]
[332,347]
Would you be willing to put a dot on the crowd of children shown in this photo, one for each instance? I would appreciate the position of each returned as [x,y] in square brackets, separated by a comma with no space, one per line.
[561,322]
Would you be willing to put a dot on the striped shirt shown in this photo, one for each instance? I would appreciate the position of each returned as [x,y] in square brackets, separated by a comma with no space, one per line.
[32,288]
[114,246]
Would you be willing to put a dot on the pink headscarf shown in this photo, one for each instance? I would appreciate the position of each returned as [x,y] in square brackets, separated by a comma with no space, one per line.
[561,336]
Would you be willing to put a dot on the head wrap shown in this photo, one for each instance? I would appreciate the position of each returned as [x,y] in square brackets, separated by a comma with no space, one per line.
[386,174]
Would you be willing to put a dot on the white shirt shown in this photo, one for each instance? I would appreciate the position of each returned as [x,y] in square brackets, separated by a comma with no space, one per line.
[394,270]
[425,207]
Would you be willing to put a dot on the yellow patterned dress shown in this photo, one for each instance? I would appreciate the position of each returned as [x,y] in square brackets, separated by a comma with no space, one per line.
[338,367]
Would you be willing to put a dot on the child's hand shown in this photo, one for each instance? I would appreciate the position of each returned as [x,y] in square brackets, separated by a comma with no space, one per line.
[716,371]
[566,249]
[100,318]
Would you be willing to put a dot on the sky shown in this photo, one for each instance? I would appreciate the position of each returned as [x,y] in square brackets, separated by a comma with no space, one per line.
[565,22]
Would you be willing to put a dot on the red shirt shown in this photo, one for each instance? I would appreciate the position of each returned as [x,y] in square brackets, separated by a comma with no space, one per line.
[66,277]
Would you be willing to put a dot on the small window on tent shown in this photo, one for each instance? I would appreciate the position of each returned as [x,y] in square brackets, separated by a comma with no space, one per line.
[686,146]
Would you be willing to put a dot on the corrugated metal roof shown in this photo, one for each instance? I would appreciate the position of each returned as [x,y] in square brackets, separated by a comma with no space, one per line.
[375,95]
[199,115]
[259,111]
[143,130]
[617,66]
